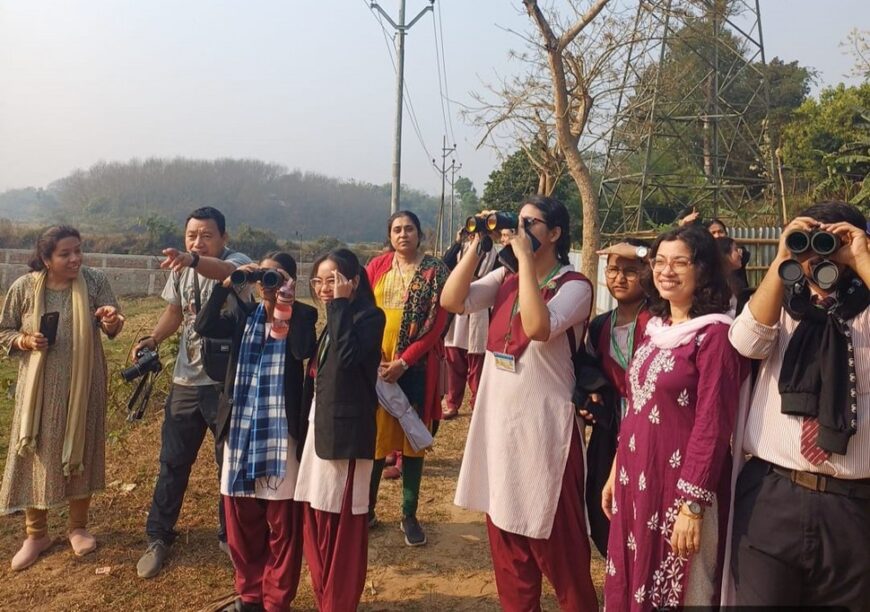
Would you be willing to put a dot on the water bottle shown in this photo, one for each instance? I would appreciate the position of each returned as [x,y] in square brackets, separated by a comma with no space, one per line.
[283,310]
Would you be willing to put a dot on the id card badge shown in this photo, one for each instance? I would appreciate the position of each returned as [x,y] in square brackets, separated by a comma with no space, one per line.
[505,362]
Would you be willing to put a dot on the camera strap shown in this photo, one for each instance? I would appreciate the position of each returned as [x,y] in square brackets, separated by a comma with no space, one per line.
[136,405]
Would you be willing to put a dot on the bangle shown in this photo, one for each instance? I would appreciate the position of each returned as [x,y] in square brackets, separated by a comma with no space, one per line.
[194,259]
[19,342]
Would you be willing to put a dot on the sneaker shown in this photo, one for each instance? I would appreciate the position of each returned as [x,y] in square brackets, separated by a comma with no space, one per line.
[240,606]
[414,534]
[152,561]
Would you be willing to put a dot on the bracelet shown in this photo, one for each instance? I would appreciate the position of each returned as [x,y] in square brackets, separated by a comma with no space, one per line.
[19,342]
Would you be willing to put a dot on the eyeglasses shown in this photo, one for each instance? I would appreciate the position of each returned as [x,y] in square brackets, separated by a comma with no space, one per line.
[531,221]
[677,264]
[611,272]
[317,283]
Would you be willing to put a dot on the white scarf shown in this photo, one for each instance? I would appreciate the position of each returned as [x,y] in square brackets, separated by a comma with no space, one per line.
[671,336]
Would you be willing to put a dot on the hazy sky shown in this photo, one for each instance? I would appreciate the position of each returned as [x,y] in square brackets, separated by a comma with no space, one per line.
[305,84]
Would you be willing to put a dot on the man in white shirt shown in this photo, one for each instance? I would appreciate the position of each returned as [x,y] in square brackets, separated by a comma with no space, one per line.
[801,521]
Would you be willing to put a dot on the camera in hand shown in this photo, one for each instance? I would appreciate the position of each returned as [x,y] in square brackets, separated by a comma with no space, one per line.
[824,273]
[146,361]
[270,279]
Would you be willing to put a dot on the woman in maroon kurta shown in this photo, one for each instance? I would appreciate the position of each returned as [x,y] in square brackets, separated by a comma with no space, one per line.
[667,495]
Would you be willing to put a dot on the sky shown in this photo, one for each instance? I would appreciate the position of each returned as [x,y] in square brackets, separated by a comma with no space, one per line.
[308,85]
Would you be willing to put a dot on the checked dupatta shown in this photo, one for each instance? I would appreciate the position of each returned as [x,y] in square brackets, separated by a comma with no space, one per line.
[257,442]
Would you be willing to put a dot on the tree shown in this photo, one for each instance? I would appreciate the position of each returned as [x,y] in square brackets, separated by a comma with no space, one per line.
[823,127]
[469,202]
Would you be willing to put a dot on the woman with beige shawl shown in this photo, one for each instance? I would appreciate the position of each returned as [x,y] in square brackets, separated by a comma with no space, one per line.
[57,447]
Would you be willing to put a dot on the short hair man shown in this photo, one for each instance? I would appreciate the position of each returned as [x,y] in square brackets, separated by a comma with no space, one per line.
[192,405]
[802,502]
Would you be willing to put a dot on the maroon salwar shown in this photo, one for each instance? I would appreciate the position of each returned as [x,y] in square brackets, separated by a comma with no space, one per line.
[336,549]
[265,540]
[462,367]
[564,558]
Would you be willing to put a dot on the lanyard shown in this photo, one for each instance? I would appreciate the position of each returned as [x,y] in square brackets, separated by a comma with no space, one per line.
[623,359]
[516,306]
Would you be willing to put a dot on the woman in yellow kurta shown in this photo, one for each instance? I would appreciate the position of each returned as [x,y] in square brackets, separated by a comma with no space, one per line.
[407,286]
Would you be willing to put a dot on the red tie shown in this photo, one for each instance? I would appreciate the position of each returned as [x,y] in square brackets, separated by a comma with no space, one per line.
[809,435]
[810,426]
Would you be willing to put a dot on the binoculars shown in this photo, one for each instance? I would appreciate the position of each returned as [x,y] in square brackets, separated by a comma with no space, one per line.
[270,279]
[824,273]
[490,223]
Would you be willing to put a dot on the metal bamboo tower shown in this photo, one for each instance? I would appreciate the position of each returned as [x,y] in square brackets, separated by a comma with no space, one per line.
[691,118]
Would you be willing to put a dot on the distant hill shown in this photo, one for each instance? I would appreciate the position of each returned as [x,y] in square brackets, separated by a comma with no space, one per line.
[292,205]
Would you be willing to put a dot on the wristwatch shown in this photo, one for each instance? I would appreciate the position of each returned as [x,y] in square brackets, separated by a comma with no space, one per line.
[641,252]
[694,508]
[194,259]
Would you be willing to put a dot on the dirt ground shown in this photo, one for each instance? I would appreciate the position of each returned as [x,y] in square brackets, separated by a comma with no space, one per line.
[453,572]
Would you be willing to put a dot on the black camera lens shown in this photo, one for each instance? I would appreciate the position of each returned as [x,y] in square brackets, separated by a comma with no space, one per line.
[790,271]
[146,361]
[239,277]
[824,243]
[270,279]
[825,274]
[797,242]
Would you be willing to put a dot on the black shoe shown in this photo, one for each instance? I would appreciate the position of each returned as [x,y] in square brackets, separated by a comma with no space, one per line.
[373,520]
[240,606]
[414,534]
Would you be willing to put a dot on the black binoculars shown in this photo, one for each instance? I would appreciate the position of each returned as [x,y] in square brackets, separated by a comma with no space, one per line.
[492,222]
[824,273]
[270,279]
[818,241]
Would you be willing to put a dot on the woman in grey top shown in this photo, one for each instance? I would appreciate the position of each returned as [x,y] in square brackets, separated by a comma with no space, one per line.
[57,447]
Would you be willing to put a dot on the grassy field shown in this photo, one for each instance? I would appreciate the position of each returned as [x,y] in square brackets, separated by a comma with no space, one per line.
[452,573]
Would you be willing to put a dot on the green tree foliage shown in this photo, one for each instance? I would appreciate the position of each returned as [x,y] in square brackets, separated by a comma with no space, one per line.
[253,242]
[817,144]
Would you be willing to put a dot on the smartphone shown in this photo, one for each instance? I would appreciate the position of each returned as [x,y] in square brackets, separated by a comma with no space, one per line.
[48,326]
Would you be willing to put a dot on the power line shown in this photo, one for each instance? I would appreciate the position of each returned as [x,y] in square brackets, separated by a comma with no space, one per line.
[438,67]
[444,70]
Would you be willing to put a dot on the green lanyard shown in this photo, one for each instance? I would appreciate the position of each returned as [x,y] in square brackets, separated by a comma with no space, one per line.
[622,359]
[516,306]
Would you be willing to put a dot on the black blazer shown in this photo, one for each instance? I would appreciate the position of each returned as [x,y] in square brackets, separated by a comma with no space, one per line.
[344,418]
[217,321]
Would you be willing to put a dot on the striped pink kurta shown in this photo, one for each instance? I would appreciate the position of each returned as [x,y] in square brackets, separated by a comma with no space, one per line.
[520,432]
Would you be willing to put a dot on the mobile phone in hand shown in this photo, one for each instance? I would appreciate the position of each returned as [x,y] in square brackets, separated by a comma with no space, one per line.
[48,326]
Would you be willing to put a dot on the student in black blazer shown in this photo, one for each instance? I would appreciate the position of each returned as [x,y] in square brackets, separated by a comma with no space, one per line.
[340,401]
[260,428]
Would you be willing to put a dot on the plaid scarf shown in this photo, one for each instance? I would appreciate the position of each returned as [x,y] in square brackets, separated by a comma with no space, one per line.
[421,303]
[257,442]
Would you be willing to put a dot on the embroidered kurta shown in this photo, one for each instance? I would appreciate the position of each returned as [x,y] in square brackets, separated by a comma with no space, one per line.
[520,432]
[36,480]
[674,445]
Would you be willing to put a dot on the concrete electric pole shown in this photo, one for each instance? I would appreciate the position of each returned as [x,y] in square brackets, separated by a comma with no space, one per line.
[401,28]
[443,170]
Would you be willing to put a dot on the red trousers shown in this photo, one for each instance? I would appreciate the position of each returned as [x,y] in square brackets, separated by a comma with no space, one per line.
[564,558]
[265,539]
[462,367]
[336,549]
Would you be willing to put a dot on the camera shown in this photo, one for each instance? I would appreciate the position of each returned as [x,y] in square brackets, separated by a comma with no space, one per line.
[146,361]
[270,279]
[824,273]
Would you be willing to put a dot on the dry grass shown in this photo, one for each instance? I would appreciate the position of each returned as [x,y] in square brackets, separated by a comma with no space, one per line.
[452,573]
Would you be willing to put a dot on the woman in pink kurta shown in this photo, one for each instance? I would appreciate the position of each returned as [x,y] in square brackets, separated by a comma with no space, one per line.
[523,461]
[667,496]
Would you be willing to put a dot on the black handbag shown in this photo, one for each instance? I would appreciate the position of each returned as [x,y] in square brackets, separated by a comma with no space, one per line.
[215,351]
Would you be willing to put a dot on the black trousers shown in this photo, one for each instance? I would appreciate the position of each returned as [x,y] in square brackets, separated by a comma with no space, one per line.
[796,547]
[189,412]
